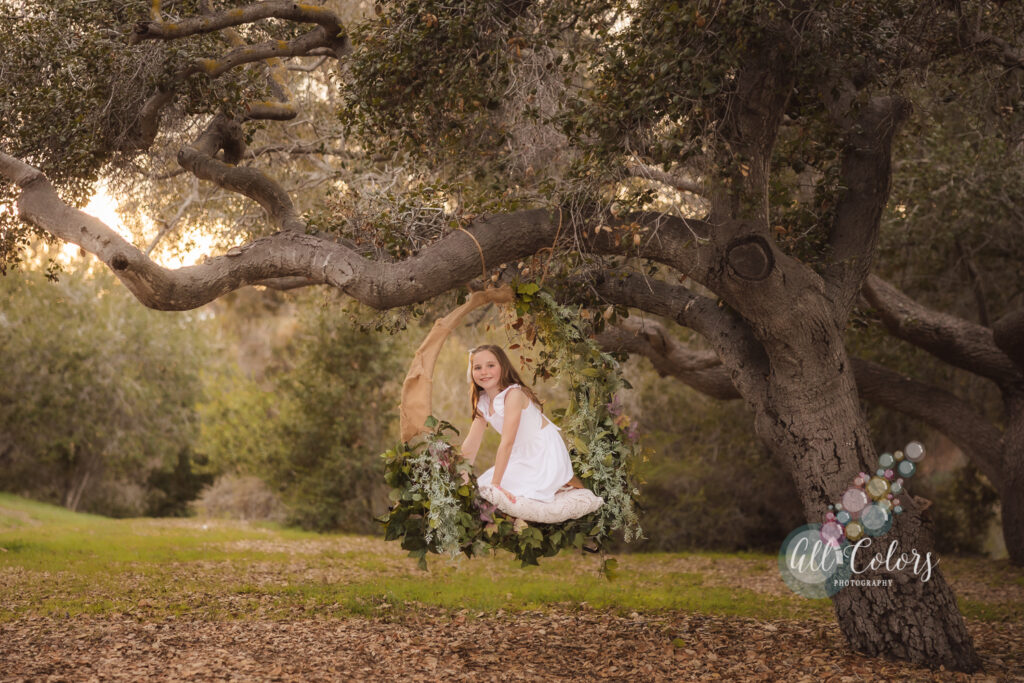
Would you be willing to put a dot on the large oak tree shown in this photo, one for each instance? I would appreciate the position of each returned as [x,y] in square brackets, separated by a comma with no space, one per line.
[724,165]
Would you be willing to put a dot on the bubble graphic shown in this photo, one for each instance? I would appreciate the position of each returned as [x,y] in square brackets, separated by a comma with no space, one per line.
[876,520]
[832,534]
[854,500]
[809,566]
[914,451]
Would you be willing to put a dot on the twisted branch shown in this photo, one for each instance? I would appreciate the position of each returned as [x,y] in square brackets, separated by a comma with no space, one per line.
[951,339]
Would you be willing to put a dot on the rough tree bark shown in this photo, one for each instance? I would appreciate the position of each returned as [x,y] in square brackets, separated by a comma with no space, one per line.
[996,451]
[798,380]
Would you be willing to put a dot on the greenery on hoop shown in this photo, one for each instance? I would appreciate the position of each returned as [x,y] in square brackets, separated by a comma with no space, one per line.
[436,505]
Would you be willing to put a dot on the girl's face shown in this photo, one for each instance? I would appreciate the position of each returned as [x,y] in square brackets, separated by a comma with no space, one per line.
[486,370]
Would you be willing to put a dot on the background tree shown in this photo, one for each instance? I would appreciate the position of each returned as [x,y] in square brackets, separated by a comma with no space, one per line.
[314,435]
[776,119]
[96,397]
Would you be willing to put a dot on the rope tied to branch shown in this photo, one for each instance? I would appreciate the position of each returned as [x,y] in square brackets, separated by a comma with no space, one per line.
[483,262]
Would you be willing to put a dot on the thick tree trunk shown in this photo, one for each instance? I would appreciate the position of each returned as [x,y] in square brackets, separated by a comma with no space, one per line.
[1012,498]
[912,618]
[811,417]
[1011,486]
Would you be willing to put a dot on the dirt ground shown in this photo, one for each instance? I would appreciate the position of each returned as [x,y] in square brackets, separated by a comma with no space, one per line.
[567,645]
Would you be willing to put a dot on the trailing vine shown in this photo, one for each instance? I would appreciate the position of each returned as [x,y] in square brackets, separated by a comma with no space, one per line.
[436,506]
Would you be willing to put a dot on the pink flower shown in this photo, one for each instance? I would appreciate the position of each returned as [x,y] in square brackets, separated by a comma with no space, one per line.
[615,407]
[633,433]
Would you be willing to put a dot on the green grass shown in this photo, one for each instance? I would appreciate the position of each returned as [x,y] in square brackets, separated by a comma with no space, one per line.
[62,563]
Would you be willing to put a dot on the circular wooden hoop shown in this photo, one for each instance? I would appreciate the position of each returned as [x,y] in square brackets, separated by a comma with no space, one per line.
[417,389]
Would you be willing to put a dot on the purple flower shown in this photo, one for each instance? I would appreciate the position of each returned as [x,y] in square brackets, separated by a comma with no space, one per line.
[633,433]
[615,407]
[486,511]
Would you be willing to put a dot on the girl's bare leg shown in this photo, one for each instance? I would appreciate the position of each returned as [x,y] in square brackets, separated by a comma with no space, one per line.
[574,483]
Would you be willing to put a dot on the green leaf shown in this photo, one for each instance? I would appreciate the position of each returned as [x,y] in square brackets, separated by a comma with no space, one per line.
[528,288]
[431,422]
[580,445]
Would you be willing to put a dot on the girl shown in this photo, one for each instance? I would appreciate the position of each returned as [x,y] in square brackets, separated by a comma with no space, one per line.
[532,460]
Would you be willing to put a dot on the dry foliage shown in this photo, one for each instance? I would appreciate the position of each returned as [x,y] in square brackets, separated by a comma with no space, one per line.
[426,646]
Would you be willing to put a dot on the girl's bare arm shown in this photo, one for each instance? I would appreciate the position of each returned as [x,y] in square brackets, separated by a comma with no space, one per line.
[471,445]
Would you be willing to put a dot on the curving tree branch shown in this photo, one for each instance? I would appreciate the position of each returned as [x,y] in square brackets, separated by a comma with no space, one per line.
[1008,335]
[971,431]
[279,9]
[951,339]
[702,370]
[222,133]
[450,262]
[148,124]
[727,333]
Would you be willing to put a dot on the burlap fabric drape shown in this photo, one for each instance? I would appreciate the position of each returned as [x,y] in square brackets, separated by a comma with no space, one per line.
[417,388]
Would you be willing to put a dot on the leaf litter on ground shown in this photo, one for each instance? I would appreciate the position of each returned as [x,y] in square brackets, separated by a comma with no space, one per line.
[85,598]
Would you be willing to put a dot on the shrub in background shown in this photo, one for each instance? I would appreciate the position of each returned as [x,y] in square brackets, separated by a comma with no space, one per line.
[709,481]
[246,498]
[313,430]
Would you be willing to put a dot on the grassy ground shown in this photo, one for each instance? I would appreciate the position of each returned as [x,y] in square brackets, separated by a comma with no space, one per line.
[58,565]
[59,562]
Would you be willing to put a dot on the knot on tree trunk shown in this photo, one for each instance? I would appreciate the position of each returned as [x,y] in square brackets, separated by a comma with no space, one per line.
[750,257]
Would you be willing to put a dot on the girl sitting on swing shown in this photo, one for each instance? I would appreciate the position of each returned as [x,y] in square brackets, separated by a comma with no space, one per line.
[532,460]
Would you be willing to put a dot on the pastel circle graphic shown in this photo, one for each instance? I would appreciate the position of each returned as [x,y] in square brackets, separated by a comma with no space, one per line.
[878,487]
[914,451]
[832,534]
[855,500]
[876,520]
[907,469]
[809,566]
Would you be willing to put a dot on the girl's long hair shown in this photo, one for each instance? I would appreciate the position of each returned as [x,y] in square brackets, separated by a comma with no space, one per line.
[508,377]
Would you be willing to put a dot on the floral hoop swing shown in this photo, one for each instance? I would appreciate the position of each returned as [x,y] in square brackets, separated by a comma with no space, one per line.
[436,504]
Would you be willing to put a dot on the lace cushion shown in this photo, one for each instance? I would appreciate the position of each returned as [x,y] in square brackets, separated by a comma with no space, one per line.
[570,504]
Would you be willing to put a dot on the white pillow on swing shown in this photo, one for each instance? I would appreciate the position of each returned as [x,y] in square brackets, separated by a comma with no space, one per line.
[568,504]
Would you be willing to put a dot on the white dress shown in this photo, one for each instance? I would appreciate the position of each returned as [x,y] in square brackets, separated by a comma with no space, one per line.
[539,464]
